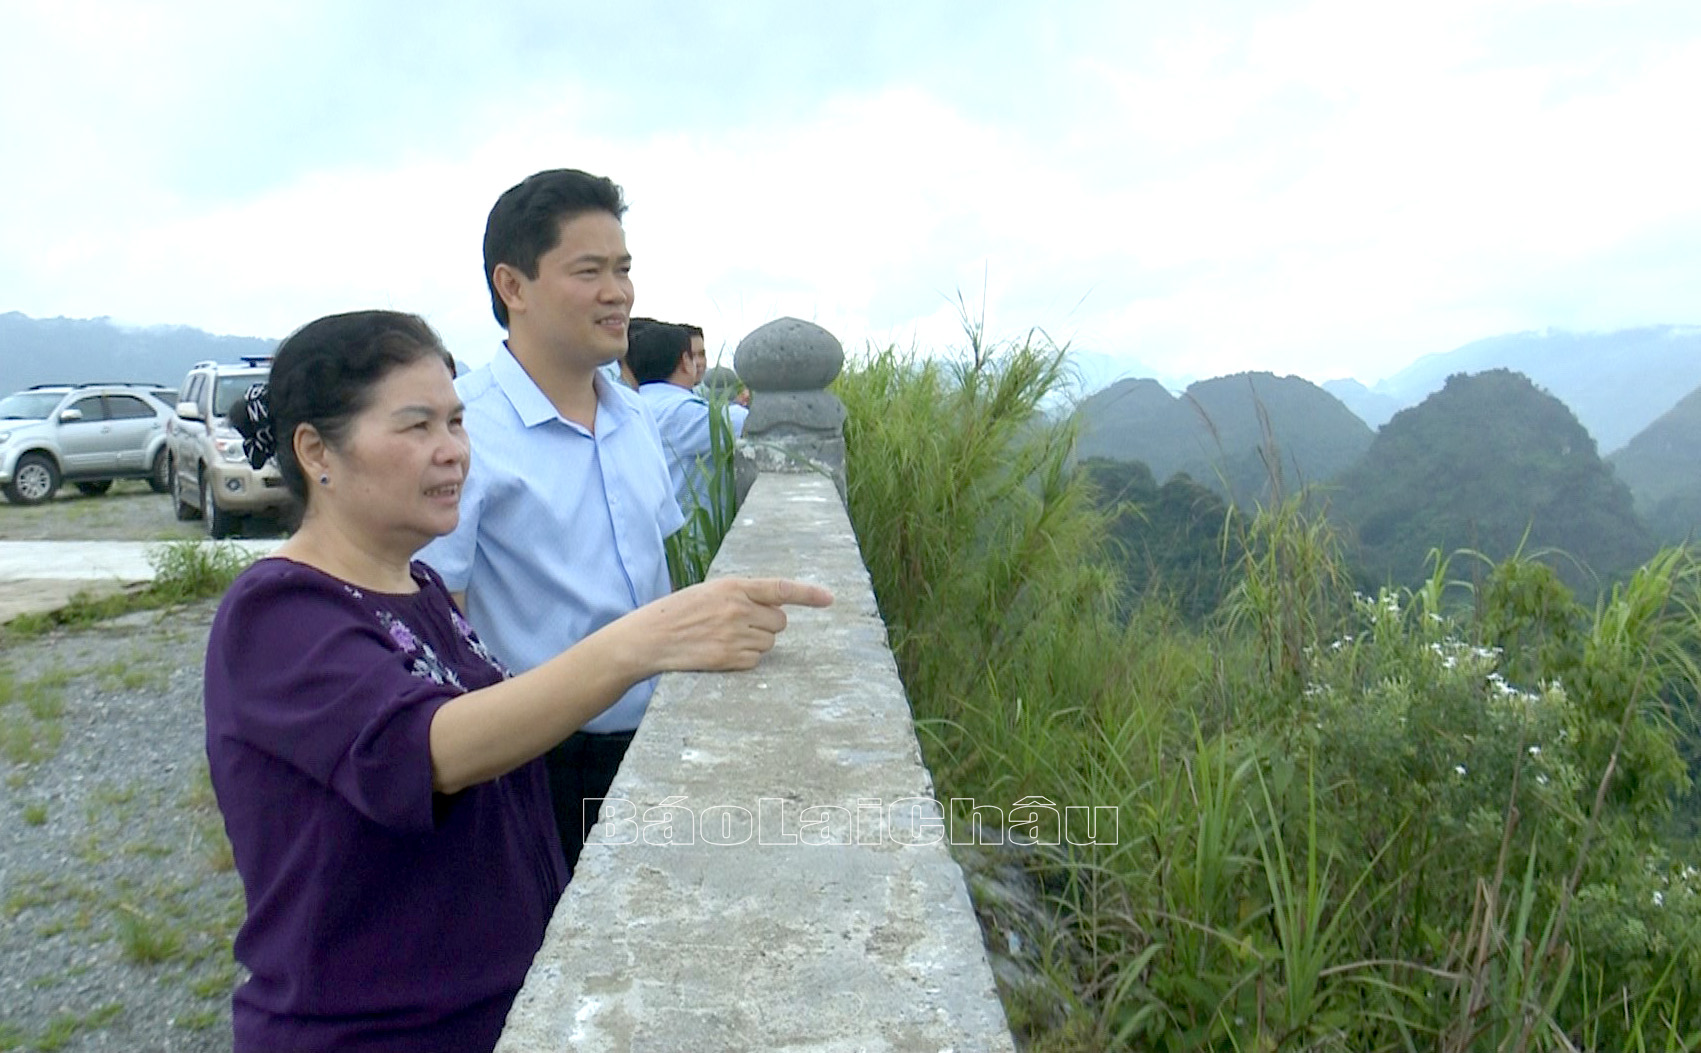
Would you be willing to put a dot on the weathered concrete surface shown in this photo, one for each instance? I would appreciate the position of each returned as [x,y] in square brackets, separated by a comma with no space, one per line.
[116,561]
[40,576]
[854,939]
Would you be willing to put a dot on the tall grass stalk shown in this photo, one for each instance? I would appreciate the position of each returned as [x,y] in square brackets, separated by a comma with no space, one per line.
[710,506]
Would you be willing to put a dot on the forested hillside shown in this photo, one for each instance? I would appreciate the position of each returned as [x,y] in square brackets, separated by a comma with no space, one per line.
[1165,539]
[1493,464]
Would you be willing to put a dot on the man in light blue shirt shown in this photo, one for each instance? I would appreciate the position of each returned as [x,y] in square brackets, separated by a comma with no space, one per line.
[665,358]
[568,499]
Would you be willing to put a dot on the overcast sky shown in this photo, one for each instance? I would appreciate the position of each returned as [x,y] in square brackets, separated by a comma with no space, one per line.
[1329,188]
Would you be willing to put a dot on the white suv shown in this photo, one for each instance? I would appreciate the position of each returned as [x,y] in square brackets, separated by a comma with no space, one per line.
[210,476]
[87,434]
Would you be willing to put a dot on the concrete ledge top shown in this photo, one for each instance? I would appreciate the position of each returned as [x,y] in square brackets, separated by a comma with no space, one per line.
[769,873]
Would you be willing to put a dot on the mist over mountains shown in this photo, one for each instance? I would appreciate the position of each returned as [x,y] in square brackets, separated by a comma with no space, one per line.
[81,350]
[1616,383]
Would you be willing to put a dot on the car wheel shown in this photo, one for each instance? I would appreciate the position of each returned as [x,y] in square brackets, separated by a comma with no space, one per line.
[36,479]
[94,488]
[159,475]
[220,524]
[183,509]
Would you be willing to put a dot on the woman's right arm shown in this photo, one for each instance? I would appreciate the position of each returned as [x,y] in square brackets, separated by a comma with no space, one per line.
[725,624]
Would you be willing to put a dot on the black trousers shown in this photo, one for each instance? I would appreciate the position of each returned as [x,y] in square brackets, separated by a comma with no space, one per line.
[581,769]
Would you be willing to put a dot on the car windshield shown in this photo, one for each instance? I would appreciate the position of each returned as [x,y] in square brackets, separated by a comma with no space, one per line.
[231,389]
[29,405]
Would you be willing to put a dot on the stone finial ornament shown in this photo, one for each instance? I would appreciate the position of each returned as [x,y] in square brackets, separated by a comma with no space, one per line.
[795,424]
[721,378]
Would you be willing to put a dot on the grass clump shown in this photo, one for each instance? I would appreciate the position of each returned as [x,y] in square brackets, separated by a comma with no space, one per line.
[184,571]
[709,509]
[32,732]
[63,1028]
[147,939]
[1429,819]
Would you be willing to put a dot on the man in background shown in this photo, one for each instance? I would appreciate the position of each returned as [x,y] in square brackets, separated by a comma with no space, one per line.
[668,361]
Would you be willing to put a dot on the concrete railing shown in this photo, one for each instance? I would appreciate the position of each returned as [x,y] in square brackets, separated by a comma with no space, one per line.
[770,872]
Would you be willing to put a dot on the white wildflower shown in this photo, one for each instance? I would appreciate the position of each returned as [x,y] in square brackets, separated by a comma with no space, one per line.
[1459,768]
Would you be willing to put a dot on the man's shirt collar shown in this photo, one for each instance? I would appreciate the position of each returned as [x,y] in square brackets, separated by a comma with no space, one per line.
[534,407]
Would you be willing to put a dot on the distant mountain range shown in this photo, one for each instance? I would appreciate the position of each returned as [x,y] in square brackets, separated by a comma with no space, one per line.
[77,350]
[1475,446]
[1636,391]
[1616,383]
[1228,433]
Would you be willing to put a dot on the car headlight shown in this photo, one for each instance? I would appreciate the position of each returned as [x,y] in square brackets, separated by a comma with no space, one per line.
[231,448]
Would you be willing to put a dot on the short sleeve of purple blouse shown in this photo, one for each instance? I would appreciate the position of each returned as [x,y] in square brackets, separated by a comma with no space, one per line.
[335,684]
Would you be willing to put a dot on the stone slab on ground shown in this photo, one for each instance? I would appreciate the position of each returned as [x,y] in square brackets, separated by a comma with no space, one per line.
[41,576]
[41,595]
[94,560]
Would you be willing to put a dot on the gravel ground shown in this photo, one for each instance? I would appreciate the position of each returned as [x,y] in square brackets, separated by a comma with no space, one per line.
[128,512]
[117,897]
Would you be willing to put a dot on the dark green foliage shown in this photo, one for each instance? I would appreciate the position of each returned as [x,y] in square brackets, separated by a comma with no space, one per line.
[1168,540]
[1232,433]
[1491,464]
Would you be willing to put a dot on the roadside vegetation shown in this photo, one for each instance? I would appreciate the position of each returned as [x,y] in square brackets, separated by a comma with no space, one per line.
[1449,817]
[183,571]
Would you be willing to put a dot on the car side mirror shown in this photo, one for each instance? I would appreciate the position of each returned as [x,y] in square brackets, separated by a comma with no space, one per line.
[67,416]
[188,411]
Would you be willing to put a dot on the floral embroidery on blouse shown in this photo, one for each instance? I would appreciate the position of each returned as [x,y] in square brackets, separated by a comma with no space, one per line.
[477,645]
[426,664]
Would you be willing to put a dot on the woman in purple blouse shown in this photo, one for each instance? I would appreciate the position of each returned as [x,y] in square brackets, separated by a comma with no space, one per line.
[377,768]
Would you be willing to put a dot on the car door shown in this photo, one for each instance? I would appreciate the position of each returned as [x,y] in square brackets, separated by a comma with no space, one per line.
[84,443]
[186,435]
[134,425]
